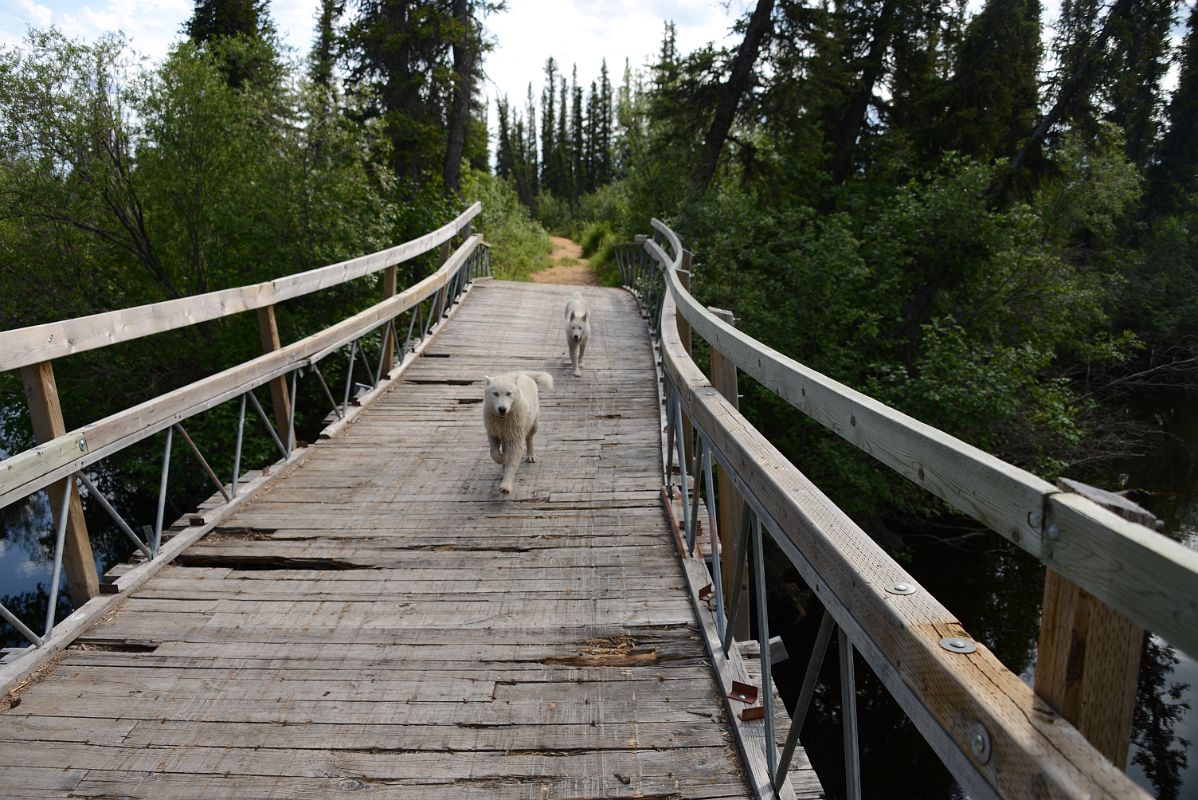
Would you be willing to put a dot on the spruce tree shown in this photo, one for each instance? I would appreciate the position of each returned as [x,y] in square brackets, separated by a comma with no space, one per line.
[1174,173]
[241,33]
[324,49]
[994,97]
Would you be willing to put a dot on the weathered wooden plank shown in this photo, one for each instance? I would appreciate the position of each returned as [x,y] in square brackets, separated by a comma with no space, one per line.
[382,622]
[107,784]
[24,346]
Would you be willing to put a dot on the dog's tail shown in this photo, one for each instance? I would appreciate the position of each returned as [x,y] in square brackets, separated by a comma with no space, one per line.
[543,379]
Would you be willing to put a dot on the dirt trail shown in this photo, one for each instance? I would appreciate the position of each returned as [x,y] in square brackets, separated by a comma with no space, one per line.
[567,265]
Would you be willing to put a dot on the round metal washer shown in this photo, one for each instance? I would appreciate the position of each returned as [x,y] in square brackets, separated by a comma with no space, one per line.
[955,644]
[901,588]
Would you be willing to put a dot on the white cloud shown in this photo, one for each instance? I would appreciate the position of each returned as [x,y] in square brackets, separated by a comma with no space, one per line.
[152,26]
[585,32]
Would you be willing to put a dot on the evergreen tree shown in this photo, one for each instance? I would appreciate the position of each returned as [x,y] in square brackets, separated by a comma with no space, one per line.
[1174,174]
[578,163]
[603,129]
[324,49]
[1136,65]
[549,142]
[242,36]
[994,97]
[213,19]
[504,150]
[398,52]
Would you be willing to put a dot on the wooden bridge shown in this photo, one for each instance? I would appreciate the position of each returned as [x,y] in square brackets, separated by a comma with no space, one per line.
[370,616]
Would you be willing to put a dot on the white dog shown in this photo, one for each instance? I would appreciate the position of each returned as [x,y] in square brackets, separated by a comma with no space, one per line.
[578,329]
[511,409]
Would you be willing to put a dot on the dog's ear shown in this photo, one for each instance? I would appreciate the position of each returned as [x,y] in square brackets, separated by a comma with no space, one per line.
[487,379]
[583,317]
[573,314]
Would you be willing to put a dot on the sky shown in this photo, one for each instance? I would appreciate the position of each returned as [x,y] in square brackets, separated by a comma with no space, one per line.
[582,32]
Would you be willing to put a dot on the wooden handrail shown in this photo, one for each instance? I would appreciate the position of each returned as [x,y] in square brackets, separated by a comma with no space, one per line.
[51,340]
[34,469]
[1148,577]
[953,698]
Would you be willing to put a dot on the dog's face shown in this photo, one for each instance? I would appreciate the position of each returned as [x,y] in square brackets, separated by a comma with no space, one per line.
[576,327]
[500,394]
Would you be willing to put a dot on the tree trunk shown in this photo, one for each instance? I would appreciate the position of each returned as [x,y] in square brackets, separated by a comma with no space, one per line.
[1082,76]
[459,111]
[760,23]
[853,121]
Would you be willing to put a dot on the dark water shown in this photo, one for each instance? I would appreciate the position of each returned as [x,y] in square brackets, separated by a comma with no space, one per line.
[995,589]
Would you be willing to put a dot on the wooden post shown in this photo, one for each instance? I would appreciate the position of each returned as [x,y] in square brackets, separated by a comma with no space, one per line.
[45,412]
[389,284]
[684,333]
[268,329]
[731,506]
[1088,665]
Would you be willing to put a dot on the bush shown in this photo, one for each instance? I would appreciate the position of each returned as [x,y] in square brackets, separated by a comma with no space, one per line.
[554,214]
[593,237]
[519,245]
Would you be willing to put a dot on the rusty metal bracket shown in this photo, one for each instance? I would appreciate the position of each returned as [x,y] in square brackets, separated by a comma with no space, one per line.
[744,692]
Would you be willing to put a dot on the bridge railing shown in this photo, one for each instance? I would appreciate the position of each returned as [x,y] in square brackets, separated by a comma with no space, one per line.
[62,460]
[995,736]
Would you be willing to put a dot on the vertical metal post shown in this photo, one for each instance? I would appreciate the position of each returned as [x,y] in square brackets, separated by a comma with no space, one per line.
[692,529]
[763,639]
[716,581]
[741,567]
[848,712]
[686,511]
[669,399]
[237,447]
[59,540]
[166,471]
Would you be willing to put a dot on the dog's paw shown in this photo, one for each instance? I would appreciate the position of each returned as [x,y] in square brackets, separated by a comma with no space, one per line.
[531,459]
[577,373]
[505,489]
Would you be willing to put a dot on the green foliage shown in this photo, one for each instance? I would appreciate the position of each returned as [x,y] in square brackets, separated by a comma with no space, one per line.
[519,245]
[593,236]
[121,185]
[554,214]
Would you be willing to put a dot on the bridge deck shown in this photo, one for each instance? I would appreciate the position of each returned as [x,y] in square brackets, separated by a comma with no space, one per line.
[382,621]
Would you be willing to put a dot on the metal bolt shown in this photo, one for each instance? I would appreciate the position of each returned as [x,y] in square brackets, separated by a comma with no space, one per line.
[82,445]
[1053,531]
[979,741]
[900,588]
[955,644]
[1033,519]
